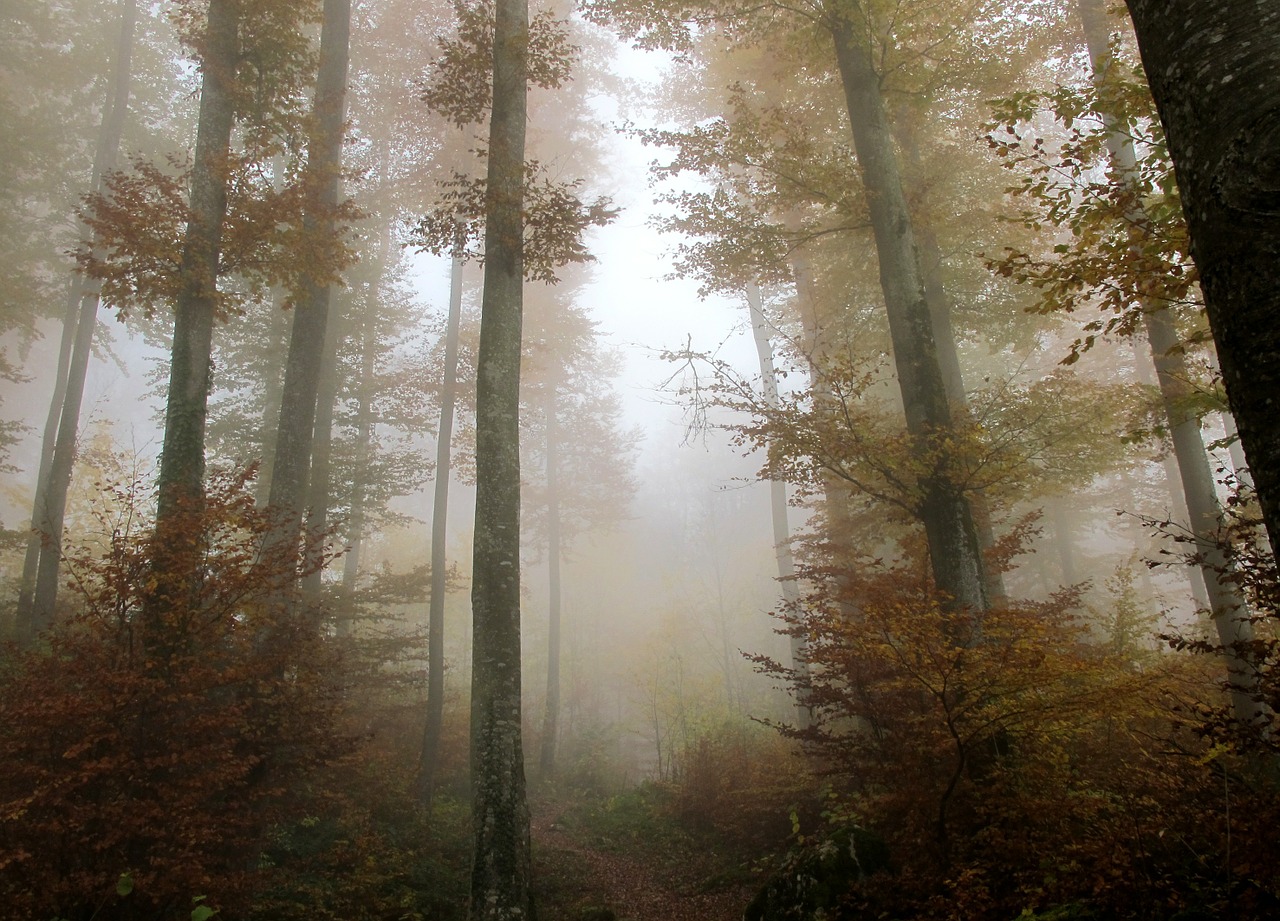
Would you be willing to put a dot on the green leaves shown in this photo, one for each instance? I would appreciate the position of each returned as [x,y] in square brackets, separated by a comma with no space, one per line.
[124,885]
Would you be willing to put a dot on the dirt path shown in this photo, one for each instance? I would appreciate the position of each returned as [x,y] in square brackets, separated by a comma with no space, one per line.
[592,883]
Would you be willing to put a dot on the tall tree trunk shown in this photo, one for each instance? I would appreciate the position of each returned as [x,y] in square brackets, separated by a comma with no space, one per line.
[500,874]
[321,474]
[778,497]
[1144,371]
[551,715]
[1214,70]
[440,530]
[345,612]
[295,438]
[180,504]
[955,557]
[944,337]
[1230,613]
[39,587]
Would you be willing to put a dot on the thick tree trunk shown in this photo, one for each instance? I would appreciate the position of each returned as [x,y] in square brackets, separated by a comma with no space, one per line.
[1230,613]
[39,587]
[952,537]
[778,495]
[500,873]
[1214,70]
[551,715]
[440,531]
[181,479]
[295,437]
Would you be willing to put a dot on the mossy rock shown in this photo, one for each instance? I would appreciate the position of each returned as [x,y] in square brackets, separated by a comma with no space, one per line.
[815,877]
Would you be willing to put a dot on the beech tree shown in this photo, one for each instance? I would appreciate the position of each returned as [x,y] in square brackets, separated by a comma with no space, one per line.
[1223,142]
[500,880]
[307,347]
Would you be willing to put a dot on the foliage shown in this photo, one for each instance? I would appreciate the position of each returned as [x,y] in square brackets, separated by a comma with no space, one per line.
[1013,763]
[1125,241]
[459,87]
[555,219]
[162,744]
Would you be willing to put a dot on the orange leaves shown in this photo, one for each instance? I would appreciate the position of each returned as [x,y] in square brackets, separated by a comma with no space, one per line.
[272,236]
[167,745]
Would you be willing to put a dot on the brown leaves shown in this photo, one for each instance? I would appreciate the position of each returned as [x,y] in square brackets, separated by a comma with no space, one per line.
[555,219]
[273,235]
[460,83]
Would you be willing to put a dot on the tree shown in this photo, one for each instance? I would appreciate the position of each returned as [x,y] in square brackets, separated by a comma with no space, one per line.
[439,530]
[1128,252]
[39,587]
[307,345]
[500,881]
[579,458]
[1214,70]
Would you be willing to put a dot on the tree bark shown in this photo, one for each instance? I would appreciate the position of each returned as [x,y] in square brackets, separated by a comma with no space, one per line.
[39,587]
[295,437]
[181,479]
[1214,70]
[500,876]
[440,530]
[551,715]
[948,521]
[1229,611]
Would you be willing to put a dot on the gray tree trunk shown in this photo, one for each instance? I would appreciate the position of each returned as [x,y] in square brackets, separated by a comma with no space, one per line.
[303,369]
[440,531]
[500,873]
[954,553]
[778,494]
[181,480]
[39,586]
[551,715]
[1230,613]
[1214,70]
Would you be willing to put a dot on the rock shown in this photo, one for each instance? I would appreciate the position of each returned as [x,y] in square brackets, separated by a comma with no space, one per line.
[814,878]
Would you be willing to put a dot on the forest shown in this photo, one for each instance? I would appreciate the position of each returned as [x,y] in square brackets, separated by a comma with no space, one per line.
[639,460]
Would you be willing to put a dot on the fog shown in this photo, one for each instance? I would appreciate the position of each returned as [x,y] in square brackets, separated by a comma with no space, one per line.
[1023,601]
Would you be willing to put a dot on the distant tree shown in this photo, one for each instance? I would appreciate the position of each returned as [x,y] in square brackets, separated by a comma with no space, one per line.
[39,586]
[579,478]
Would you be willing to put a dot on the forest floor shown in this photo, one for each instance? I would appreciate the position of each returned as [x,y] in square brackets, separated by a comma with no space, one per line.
[614,860]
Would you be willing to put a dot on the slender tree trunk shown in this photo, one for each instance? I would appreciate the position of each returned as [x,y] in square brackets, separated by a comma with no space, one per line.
[440,531]
[778,498]
[1230,613]
[1214,70]
[23,624]
[39,587]
[345,613]
[1145,372]
[500,880]
[278,333]
[180,505]
[321,475]
[551,716]
[952,537]
[295,437]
